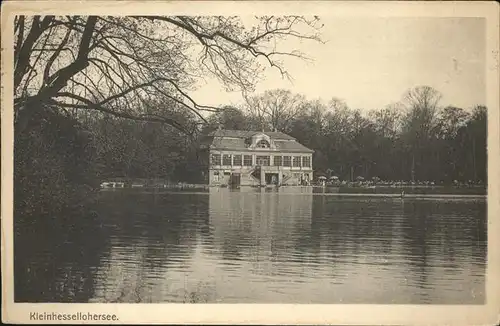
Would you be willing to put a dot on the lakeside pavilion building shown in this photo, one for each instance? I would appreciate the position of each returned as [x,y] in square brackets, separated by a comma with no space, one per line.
[253,158]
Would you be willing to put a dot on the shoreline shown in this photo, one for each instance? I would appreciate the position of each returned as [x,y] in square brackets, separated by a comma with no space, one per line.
[201,185]
[380,192]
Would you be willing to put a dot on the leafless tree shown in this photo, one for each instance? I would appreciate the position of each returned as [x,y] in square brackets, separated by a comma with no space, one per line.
[420,124]
[276,109]
[115,65]
[451,119]
[422,110]
[387,121]
[339,116]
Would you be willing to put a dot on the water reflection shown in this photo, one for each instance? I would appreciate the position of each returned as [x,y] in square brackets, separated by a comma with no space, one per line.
[57,262]
[152,234]
[259,224]
[284,245]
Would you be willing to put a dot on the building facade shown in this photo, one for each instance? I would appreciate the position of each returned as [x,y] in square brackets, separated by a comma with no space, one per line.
[251,158]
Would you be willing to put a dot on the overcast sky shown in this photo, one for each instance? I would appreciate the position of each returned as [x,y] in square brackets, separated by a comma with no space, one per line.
[370,62]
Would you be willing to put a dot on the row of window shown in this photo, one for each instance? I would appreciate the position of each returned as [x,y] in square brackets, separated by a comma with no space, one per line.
[264,160]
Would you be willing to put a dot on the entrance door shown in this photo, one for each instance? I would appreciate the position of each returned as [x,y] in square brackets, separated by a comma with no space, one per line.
[306,179]
[271,178]
[235,179]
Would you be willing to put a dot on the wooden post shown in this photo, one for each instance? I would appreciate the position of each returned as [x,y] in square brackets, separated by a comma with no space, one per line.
[413,168]
[474,158]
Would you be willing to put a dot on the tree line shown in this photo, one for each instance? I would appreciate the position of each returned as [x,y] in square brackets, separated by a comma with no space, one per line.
[415,139]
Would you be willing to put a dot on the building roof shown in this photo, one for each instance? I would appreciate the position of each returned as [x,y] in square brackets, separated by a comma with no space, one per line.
[245,134]
[235,140]
[291,146]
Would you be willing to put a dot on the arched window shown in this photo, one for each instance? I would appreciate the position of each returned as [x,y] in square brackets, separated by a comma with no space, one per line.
[263,144]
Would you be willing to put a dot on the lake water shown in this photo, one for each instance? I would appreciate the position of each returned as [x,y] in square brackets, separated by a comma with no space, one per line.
[259,246]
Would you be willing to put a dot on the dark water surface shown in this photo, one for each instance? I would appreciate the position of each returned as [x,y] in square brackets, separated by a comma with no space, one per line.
[259,246]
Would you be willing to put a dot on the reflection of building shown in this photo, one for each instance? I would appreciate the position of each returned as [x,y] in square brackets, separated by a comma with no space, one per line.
[260,224]
[257,158]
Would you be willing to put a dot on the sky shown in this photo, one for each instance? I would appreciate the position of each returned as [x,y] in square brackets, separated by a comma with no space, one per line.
[371,62]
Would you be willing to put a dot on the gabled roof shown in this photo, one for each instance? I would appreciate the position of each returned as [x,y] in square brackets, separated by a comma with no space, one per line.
[235,140]
[291,146]
[245,134]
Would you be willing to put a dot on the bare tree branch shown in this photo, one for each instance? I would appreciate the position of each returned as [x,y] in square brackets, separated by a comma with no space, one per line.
[124,63]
